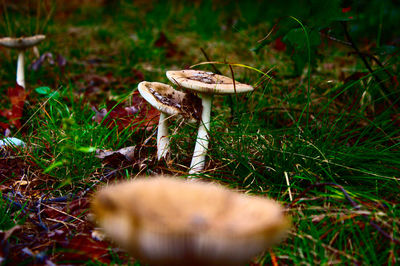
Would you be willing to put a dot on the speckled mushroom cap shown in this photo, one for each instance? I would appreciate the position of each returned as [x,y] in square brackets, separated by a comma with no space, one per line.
[21,42]
[166,99]
[170,221]
[206,82]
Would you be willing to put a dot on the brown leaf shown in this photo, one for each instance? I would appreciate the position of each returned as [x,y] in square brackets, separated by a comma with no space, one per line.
[127,152]
[119,158]
[83,247]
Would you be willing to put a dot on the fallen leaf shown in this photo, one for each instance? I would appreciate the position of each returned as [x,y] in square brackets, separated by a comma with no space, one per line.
[35,66]
[83,247]
[21,183]
[17,96]
[61,62]
[95,86]
[279,45]
[346,9]
[140,115]
[117,158]
[127,152]
[171,49]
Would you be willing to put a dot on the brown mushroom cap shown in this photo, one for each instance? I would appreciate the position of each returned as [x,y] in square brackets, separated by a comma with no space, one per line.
[207,82]
[169,221]
[21,42]
[166,99]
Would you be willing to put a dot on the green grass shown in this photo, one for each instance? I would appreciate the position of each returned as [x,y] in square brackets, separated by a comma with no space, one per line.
[10,214]
[322,132]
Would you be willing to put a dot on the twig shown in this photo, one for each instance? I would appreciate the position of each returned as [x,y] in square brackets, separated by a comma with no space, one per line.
[234,82]
[55,226]
[361,55]
[39,203]
[376,60]
[209,60]
[330,37]
[63,212]
[288,184]
[64,222]
[59,199]
[230,101]
[334,250]
[16,204]
[98,181]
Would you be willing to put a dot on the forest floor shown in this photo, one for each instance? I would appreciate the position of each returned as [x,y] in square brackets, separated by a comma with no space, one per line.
[324,142]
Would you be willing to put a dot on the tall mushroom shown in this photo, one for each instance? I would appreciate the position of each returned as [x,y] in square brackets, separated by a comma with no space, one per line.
[169,102]
[205,84]
[169,221]
[21,43]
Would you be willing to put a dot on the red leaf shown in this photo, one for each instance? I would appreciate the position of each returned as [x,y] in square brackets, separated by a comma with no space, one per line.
[395,119]
[279,45]
[137,74]
[138,116]
[17,96]
[82,248]
[346,9]
[4,126]
[395,81]
[170,47]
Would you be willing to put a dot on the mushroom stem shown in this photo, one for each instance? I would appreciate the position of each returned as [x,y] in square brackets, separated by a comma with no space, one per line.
[200,150]
[162,137]
[20,69]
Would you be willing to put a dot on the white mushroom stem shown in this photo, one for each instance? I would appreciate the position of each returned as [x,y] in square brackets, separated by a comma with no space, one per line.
[200,150]
[162,136]
[20,69]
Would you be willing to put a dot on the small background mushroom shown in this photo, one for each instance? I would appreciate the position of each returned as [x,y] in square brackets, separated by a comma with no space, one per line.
[21,44]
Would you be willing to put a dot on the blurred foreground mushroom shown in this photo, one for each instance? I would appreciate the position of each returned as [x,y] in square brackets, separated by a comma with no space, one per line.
[205,84]
[21,43]
[169,221]
[169,102]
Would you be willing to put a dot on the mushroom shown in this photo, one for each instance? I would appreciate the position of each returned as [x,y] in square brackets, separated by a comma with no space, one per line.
[21,43]
[206,84]
[169,102]
[11,142]
[169,221]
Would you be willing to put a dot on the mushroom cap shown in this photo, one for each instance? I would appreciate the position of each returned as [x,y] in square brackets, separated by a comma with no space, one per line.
[207,82]
[169,221]
[21,42]
[166,99]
